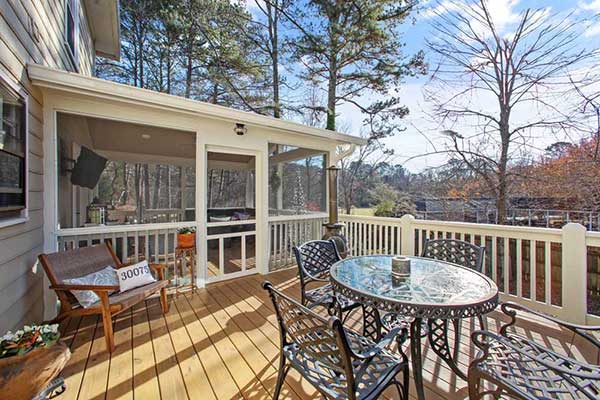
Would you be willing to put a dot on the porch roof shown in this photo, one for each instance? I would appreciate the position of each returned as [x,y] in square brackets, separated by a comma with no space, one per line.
[45,77]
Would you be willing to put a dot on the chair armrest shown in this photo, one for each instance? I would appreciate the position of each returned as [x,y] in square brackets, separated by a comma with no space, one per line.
[95,288]
[481,340]
[159,269]
[511,309]
[379,346]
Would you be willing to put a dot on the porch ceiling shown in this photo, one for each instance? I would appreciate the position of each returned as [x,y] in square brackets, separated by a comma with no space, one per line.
[49,78]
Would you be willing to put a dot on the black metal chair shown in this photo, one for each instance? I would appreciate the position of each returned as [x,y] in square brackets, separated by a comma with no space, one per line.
[516,366]
[339,362]
[450,250]
[314,259]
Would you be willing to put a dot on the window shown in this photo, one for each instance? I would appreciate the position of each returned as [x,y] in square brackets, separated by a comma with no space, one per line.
[71,28]
[13,136]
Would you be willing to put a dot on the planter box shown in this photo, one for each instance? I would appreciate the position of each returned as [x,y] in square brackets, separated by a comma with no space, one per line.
[186,240]
[25,376]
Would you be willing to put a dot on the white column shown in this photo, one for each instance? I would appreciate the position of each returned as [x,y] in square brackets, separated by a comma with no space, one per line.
[201,231]
[574,273]
[407,235]
[262,210]
[50,202]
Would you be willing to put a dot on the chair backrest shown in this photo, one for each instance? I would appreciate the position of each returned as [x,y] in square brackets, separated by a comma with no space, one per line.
[78,262]
[455,251]
[315,258]
[323,342]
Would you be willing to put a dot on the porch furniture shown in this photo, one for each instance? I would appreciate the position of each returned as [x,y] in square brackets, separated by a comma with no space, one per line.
[86,260]
[435,290]
[338,362]
[453,251]
[314,260]
[186,256]
[522,368]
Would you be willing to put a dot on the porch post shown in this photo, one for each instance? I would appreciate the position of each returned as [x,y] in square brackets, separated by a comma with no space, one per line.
[262,210]
[574,273]
[200,212]
[50,202]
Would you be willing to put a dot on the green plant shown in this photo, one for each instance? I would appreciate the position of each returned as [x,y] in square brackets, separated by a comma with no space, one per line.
[27,339]
[186,230]
[385,208]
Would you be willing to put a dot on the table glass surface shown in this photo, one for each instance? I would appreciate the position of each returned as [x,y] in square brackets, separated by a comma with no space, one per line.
[430,282]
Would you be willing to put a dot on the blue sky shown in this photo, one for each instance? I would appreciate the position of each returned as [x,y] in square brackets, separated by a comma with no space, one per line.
[422,134]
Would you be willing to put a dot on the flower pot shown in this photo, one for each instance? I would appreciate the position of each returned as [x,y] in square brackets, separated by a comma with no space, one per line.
[186,240]
[25,376]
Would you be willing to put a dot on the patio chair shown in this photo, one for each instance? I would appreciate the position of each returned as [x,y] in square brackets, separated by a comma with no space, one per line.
[314,259]
[515,365]
[338,362]
[450,250]
[86,260]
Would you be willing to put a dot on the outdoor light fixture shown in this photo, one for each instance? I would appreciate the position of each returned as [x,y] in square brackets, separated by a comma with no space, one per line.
[240,129]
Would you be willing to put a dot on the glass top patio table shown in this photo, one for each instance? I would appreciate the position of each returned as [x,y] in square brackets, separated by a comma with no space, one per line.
[433,289]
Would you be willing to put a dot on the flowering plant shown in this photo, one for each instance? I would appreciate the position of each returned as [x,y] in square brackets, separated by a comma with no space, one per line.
[27,339]
[187,230]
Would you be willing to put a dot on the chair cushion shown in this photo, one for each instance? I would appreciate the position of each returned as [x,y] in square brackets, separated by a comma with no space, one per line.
[527,376]
[323,295]
[370,377]
[134,296]
[87,298]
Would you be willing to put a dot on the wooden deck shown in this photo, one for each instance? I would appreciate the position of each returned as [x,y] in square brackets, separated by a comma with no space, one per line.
[222,343]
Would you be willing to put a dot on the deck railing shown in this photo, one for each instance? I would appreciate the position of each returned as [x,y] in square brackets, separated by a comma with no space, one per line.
[287,231]
[543,268]
[552,270]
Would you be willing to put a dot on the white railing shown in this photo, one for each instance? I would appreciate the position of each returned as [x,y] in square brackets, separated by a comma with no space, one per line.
[222,265]
[153,242]
[287,231]
[543,268]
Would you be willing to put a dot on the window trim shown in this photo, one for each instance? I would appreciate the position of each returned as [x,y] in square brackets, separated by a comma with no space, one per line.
[14,86]
[73,54]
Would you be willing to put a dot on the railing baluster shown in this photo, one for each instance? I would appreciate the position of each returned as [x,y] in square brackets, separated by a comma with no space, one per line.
[532,269]
[506,266]
[548,272]
[519,268]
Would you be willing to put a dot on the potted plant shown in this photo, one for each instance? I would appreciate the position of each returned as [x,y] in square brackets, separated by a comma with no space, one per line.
[186,237]
[29,360]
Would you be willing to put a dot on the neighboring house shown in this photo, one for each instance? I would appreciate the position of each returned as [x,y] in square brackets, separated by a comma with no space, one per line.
[55,112]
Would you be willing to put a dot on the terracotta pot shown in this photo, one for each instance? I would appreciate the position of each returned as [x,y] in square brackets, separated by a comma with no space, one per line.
[186,239]
[25,376]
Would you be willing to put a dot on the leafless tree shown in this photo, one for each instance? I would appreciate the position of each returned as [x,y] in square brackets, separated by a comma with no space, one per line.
[520,70]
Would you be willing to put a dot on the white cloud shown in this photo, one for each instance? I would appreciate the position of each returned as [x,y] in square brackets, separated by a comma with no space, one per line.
[593,5]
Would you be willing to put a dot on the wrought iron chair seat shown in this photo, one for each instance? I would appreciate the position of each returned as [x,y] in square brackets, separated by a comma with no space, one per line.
[340,363]
[533,371]
[325,296]
[381,369]
[393,320]
[520,367]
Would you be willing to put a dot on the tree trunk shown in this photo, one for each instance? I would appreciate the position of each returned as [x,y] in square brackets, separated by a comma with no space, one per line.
[331,92]
[156,190]
[273,18]
[188,72]
[125,184]
[146,186]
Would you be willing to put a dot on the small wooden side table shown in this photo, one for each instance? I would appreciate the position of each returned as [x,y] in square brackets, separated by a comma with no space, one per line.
[187,256]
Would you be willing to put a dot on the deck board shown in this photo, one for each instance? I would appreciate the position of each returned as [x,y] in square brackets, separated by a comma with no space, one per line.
[222,343]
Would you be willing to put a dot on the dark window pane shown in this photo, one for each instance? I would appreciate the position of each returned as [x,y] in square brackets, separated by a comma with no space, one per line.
[11,173]
[12,137]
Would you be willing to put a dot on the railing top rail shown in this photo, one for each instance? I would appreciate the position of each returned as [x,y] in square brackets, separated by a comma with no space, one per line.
[369,218]
[470,226]
[231,223]
[283,218]
[91,230]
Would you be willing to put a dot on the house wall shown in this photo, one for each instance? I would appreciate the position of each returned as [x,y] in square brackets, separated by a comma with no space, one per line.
[31,32]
